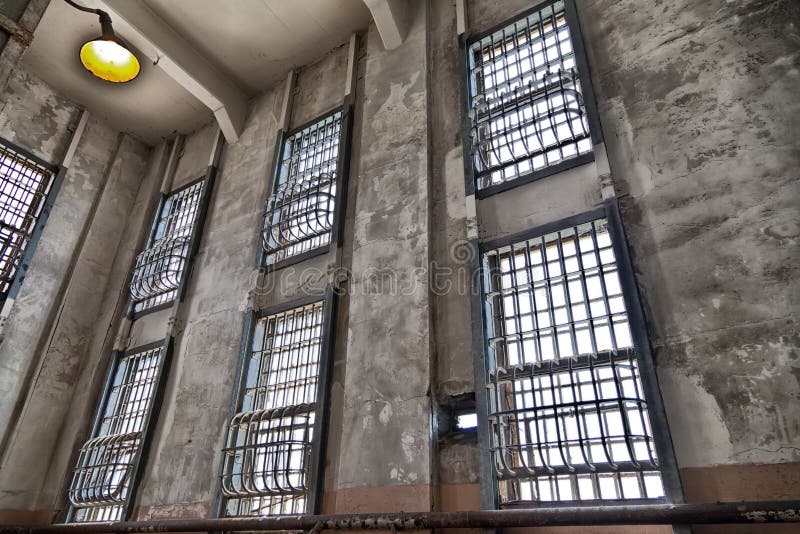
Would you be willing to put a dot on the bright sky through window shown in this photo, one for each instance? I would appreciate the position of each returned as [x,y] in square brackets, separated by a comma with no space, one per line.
[100,485]
[23,188]
[567,411]
[267,456]
[300,210]
[526,104]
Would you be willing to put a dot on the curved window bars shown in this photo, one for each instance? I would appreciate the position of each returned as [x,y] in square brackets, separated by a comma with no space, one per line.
[24,184]
[567,411]
[267,457]
[526,105]
[159,267]
[299,215]
[101,481]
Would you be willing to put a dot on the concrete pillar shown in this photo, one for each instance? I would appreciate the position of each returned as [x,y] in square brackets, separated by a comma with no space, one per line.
[386,435]
[85,244]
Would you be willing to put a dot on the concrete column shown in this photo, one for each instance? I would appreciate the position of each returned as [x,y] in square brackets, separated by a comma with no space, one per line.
[83,310]
[386,434]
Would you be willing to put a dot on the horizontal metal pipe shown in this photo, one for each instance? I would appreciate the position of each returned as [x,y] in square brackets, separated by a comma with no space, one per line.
[668,514]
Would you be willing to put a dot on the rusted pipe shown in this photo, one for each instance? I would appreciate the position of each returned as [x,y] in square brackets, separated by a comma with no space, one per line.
[668,514]
[20,33]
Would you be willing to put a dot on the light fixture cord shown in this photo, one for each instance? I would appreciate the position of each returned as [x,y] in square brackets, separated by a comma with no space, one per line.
[86,9]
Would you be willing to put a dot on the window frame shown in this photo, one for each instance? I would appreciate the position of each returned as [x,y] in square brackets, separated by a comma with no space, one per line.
[100,398]
[51,193]
[342,176]
[320,429]
[649,380]
[582,66]
[151,419]
[192,245]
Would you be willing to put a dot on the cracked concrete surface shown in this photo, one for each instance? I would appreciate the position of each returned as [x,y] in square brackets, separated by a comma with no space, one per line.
[700,120]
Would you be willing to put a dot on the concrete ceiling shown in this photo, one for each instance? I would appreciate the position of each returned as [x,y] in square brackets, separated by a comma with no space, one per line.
[258,41]
[252,43]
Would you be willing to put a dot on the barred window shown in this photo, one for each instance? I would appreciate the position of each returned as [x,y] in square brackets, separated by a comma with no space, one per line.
[159,267]
[567,412]
[526,104]
[300,211]
[24,184]
[267,458]
[101,482]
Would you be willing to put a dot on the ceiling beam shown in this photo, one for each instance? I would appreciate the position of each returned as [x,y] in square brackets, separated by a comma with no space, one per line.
[391,18]
[146,31]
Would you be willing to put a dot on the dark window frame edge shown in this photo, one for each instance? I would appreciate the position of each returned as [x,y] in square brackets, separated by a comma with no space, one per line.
[327,349]
[590,102]
[668,466]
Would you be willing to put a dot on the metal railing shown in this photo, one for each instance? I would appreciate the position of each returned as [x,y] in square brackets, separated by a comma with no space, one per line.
[667,514]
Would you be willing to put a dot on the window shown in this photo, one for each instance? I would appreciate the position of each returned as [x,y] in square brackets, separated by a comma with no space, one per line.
[268,466]
[101,483]
[466,421]
[300,211]
[24,184]
[159,267]
[526,104]
[567,412]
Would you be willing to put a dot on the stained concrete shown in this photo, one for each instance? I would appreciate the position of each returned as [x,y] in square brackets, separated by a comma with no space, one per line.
[450,265]
[319,87]
[573,191]
[180,477]
[194,157]
[387,383]
[698,115]
[62,312]
[35,117]
[189,435]
[699,109]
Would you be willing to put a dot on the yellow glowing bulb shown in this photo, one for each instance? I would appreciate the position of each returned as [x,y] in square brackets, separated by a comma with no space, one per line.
[109,60]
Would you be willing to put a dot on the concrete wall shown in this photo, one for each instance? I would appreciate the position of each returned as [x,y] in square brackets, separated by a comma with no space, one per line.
[61,318]
[711,209]
[700,127]
[387,386]
[180,479]
[700,121]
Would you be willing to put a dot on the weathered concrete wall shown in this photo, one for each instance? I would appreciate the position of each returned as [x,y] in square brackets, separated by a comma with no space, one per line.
[62,312]
[194,157]
[699,107]
[35,117]
[181,476]
[184,456]
[387,399]
[320,87]
[700,126]
[26,14]
[450,266]
[697,102]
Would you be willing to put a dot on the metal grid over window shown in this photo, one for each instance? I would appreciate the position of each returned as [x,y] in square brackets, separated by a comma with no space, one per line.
[266,460]
[24,185]
[300,211]
[567,412]
[159,267]
[526,105]
[101,482]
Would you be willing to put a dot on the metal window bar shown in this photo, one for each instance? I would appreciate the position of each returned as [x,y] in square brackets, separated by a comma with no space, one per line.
[101,482]
[24,185]
[299,214]
[159,267]
[566,408]
[267,458]
[526,106]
